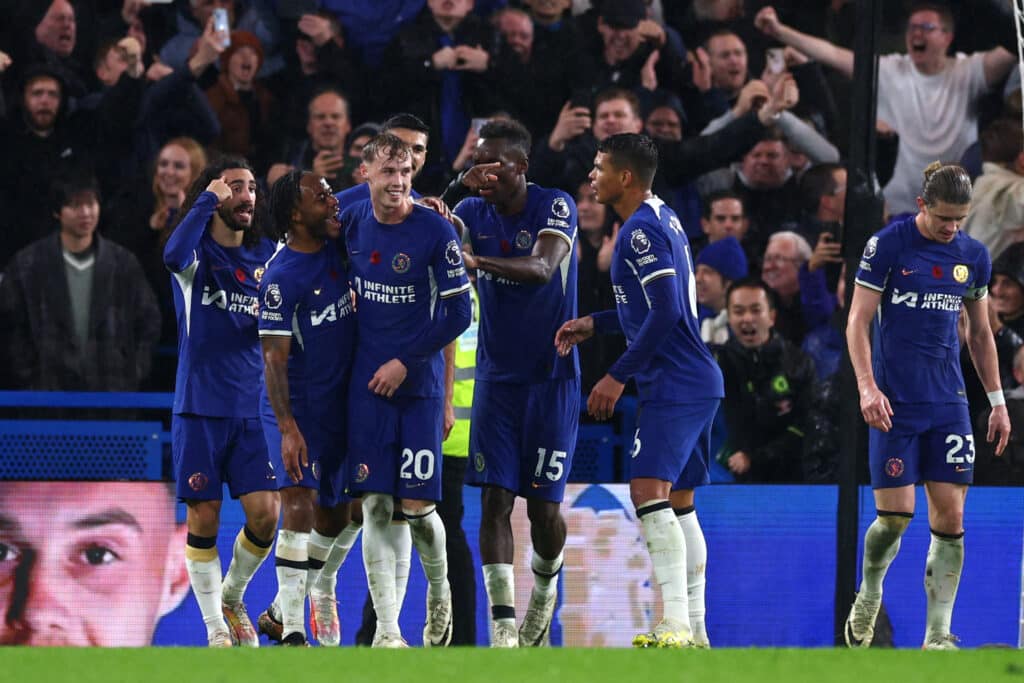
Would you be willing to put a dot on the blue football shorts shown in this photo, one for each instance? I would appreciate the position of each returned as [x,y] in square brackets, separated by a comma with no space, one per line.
[523,436]
[927,442]
[211,451]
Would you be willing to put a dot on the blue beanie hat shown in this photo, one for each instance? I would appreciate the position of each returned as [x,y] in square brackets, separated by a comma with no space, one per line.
[726,256]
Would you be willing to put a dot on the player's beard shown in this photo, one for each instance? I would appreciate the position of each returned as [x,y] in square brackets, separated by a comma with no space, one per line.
[228,216]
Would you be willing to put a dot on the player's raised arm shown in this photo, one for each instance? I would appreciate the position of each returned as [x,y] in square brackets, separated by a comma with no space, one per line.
[874,405]
[820,50]
[982,347]
[179,252]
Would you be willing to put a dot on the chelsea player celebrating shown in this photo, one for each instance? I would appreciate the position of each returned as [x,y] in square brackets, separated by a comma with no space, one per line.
[526,399]
[216,257]
[307,332]
[413,299]
[914,277]
[679,383]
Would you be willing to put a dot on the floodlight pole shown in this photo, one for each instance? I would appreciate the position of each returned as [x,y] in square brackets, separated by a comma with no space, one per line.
[862,218]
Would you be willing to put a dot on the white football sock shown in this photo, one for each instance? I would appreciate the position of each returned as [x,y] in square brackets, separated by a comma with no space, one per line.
[696,570]
[499,579]
[203,565]
[428,536]
[379,559]
[401,541]
[881,543]
[667,549]
[327,583]
[291,560]
[941,579]
[319,548]
[247,555]
[545,574]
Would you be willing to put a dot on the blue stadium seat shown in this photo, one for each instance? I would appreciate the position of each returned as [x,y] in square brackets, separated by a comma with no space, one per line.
[594,461]
[83,450]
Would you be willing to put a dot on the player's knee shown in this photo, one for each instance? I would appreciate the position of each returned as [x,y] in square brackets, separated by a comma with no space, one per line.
[949,522]
[204,516]
[543,513]
[643,491]
[296,498]
[263,522]
[261,515]
[378,509]
[893,522]
[331,521]
[496,502]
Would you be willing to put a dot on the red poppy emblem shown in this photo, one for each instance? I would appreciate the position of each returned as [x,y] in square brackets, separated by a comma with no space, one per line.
[937,272]
[375,257]
[240,275]
[505,247]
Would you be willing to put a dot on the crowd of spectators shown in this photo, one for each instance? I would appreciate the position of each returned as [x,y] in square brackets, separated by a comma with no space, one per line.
[110,108]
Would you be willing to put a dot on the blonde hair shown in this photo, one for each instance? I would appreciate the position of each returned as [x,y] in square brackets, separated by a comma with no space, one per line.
[196,163]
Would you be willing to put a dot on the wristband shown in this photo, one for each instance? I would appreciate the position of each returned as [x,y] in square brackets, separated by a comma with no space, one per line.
[996,398]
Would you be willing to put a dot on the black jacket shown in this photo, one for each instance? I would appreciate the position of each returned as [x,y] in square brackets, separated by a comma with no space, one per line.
[413,85]
[678,162]
[37,327]
[767,395]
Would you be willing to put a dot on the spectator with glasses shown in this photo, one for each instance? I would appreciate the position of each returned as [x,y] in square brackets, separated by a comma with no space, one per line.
[793,272]
[927,97]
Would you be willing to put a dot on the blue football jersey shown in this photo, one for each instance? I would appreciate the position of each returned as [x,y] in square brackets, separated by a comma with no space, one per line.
[652,244]
[916,354]
[306,297]
[400,274]
[215,298]
[518,320]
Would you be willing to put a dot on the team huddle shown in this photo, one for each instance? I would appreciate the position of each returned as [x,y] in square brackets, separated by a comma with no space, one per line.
[312,381]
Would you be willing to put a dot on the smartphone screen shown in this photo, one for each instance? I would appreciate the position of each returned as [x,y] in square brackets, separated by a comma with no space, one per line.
[220,24]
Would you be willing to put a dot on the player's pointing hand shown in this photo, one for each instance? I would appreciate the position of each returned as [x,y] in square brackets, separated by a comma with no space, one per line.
[219,188]
[480,174]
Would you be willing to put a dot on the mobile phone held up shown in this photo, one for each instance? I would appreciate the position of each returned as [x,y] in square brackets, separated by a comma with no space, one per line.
[775,59]
[221,25]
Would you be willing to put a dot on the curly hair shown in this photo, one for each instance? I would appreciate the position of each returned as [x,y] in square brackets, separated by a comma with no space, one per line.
[284,196]
[215,169]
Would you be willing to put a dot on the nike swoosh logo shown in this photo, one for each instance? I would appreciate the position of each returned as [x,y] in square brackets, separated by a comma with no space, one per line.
[316,292]
[906,272]
[484,237]
[355,252]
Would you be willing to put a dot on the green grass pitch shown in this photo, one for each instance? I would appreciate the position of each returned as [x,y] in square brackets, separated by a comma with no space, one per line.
[466,665]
